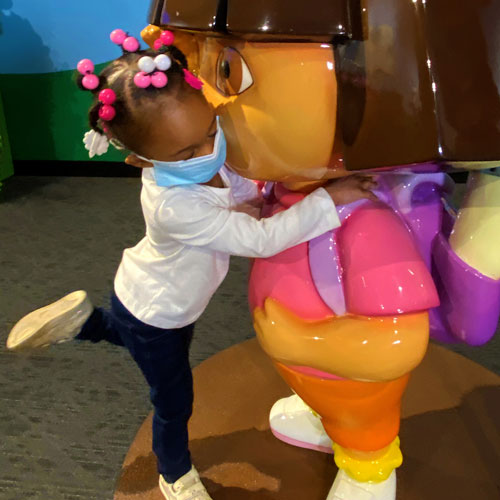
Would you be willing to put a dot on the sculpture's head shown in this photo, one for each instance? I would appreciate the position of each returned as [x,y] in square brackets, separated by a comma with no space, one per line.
[314,89]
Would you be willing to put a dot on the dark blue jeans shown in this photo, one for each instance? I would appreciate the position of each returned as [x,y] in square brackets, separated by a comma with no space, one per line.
[163,357]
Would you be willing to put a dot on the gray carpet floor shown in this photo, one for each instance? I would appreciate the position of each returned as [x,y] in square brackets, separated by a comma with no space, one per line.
[69,413]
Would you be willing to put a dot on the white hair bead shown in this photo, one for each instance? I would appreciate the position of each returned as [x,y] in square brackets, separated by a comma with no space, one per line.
[146,64]
[163,62]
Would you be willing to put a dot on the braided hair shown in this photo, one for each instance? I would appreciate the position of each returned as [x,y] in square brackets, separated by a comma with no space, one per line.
[126,127]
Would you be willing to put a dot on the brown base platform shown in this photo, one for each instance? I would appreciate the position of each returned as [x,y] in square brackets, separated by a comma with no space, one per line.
[450,435]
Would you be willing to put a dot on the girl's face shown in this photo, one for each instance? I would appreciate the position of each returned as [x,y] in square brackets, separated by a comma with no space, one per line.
[185,128]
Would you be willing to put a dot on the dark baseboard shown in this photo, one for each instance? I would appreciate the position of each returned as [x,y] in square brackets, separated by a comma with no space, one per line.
[105,169]
[76,168]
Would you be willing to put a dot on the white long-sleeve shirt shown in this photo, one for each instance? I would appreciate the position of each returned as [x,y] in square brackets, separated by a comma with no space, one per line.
[169,277]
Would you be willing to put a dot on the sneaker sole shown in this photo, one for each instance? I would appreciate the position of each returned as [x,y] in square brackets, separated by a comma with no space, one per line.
[162,488]
[58,322]
[301,444]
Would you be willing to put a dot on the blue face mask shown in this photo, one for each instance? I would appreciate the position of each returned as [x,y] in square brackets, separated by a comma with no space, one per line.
[192,171]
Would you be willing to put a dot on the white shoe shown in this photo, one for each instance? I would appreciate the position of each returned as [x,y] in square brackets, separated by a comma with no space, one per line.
[58,322]
[188,487]
[346,488]
[293,422]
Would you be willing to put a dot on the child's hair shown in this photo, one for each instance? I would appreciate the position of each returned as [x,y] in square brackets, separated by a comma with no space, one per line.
[127,127]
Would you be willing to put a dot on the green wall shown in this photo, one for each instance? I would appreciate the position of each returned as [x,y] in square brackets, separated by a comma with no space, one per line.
[47,116]
[41,42]
[6,169]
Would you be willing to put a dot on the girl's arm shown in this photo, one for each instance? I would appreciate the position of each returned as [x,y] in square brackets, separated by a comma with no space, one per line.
[244,190]
[197,222]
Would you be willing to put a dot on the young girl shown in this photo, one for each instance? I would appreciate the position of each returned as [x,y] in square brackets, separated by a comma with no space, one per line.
[148,102]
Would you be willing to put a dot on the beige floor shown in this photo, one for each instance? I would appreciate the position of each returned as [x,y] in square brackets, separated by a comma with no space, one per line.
[70,413]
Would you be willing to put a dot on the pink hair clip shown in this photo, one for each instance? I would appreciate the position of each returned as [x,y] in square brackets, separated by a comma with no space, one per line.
[107,97]
[166,38]
[192,80]
[86,68]
[152,71]
[128,43]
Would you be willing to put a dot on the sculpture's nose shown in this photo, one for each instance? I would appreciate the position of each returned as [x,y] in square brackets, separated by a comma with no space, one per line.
[216,99]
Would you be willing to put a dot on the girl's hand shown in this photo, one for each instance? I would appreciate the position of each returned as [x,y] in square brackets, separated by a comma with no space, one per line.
[352,188]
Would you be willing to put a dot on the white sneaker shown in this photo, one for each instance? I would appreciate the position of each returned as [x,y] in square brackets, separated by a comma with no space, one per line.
[188,487]
[346,488]
[58,322]
[293,422]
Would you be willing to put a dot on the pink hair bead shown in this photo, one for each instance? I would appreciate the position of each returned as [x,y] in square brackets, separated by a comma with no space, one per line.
[159,79]
[118,36]
[167,37]
[142,80]
[107,112]
[158,44]
[107,96]
[130,44]
[90,82]
[85,66]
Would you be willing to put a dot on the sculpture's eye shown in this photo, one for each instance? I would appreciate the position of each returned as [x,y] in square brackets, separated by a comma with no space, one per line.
[233,74]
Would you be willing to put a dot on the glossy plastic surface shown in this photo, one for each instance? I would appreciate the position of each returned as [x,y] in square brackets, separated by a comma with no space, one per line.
[384,272]
[417,199]
[399,101]
[345,487]
[390,82]
[353,347]
[476,234]
[287,278]
[369,266]
[363,468]
[283,125]
[391,93]
[470,301]
[356,415]
[261,19]
[329,281]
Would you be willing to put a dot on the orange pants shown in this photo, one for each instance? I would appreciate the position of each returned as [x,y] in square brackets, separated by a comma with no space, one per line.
[363,416]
